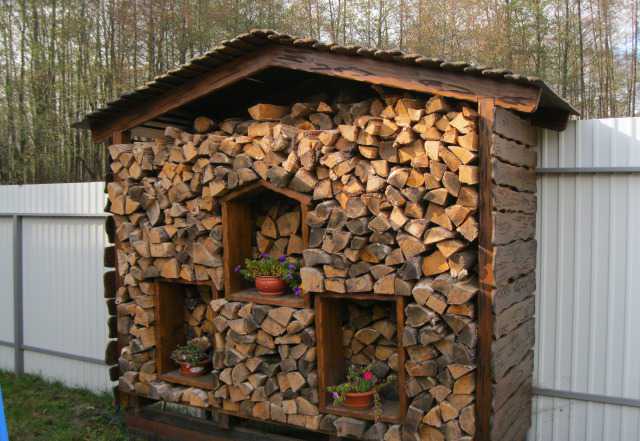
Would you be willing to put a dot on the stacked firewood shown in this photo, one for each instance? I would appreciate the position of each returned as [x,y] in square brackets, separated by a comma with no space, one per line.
[440,337]
[265,362]
[400,198]
[145,383]
[394,185]
[278,228]
[369,338]
[136,317]
[198,318]
[165,225]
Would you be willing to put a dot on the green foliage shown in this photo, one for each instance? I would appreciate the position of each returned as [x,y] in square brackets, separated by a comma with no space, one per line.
[359,380]
[192,352]
[61,60]
[41,410]
[285,268]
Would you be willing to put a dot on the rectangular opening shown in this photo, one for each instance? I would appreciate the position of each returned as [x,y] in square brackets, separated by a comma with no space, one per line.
[262,219]
[181,315]
[361,332]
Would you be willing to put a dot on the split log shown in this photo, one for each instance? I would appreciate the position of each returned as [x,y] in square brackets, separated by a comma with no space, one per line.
[267,112]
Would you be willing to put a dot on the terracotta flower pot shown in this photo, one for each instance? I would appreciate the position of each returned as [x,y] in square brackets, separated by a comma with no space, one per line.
[194,369]
[359,400]
[270,286]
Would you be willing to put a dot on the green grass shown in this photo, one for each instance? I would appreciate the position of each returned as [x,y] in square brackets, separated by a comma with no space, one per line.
[40,410]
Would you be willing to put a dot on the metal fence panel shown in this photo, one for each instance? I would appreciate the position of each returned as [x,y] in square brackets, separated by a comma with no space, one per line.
[72,373]
[63,285]
[6,358]
[6,292]
[63,290]
[588,283]
[64,313]
[83,197]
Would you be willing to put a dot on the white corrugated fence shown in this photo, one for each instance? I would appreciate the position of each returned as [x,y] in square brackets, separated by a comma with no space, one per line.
[59,231]
[588,296]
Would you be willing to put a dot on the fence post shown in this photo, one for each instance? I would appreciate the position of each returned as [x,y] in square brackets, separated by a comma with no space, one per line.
[18,328]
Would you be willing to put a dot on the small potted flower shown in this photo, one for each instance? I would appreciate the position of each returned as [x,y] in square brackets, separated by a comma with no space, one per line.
[193,358]
[360,391]
[272,276]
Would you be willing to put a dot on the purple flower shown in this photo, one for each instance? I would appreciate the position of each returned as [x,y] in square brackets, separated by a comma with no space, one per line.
[237,269]
[281,259]
[297,291]
[335,395]
[264,255]
[291,267]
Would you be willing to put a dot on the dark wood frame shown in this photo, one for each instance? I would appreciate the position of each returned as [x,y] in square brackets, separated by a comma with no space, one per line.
[331,362]
[237,233]
[155,425]
[486,113]
[169,330]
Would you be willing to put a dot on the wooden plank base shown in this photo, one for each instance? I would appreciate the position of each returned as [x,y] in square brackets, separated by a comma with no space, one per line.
[252,295]
[160,426]
[203,382]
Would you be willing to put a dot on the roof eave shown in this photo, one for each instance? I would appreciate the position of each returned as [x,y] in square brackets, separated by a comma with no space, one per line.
[523,98]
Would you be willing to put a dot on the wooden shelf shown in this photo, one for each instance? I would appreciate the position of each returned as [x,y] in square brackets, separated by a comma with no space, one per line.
[186,282]
[360,296]
[202,382]
[252,295]
[391,412]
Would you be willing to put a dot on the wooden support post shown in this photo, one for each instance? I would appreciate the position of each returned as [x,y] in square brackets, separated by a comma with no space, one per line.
[399,306]
[486,111]
[121,137]
[331,363]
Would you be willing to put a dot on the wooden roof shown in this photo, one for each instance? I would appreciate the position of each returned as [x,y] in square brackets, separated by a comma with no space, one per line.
[252,53]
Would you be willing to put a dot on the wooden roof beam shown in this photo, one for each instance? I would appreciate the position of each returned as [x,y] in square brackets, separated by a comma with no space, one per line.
[459,85]
[194,89]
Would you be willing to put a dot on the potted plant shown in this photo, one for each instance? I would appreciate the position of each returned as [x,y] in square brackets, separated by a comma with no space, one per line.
[193,358]
[272,276]
[360,391]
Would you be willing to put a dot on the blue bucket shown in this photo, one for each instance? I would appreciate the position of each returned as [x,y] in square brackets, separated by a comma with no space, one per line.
[4,436]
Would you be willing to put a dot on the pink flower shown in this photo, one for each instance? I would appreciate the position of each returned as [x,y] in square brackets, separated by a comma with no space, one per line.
[368,375]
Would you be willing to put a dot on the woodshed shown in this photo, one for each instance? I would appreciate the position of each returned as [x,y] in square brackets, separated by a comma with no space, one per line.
[405,186]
